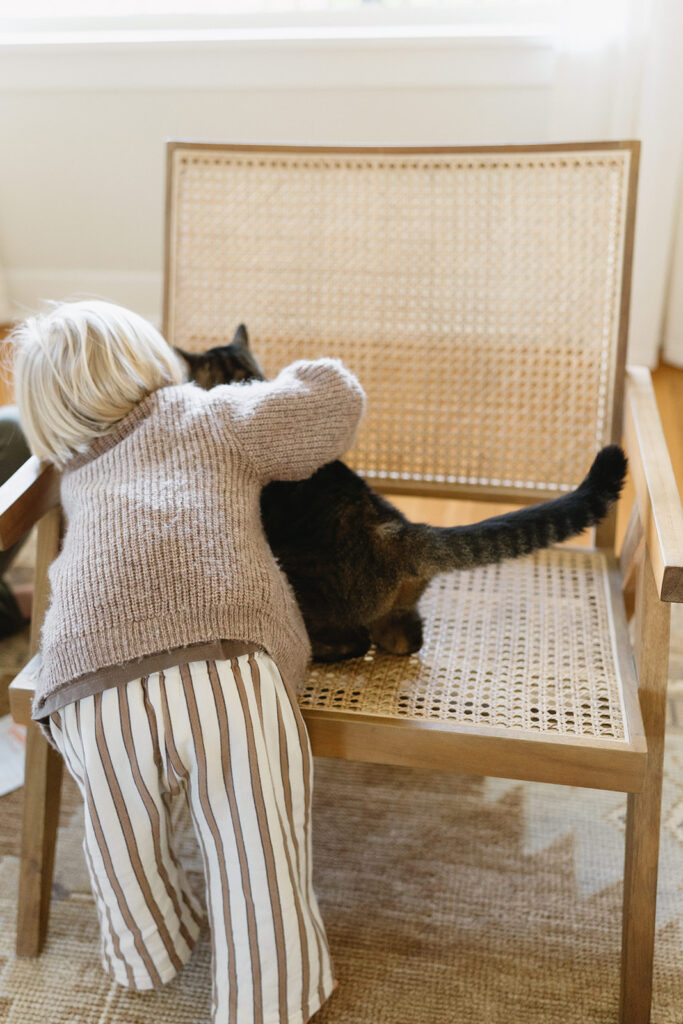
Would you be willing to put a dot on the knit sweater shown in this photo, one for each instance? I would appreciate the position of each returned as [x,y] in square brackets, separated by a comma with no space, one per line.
[164,546]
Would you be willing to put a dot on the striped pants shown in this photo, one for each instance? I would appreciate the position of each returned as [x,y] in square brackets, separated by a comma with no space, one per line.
[228,735]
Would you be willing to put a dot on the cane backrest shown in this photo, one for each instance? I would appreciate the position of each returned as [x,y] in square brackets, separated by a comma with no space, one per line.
[478,294]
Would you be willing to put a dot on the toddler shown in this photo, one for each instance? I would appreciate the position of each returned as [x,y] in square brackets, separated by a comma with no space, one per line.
[172,648]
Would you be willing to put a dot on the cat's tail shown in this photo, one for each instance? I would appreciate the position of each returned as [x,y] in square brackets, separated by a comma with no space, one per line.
[528,529]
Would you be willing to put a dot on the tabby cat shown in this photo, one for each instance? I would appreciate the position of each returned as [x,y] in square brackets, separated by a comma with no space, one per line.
[356,564]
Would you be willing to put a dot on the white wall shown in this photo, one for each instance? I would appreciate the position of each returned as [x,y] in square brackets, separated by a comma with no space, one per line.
[83,161]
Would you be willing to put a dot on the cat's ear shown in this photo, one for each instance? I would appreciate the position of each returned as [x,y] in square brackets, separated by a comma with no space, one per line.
[241,339]
[191,358]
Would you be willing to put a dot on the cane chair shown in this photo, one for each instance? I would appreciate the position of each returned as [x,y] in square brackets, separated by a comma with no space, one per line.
[481,296]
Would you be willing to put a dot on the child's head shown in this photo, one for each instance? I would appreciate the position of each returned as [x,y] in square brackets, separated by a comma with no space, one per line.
[82,367]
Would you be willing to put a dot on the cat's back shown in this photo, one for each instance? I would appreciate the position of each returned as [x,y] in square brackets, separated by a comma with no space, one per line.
[334,502]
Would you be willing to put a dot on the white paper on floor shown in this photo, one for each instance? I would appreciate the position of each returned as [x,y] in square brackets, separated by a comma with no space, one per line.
[12,749]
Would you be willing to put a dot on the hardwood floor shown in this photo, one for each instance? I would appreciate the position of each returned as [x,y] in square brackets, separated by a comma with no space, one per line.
[668,384]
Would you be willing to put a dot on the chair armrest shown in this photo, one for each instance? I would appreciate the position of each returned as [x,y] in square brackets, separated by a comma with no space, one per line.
[25,498]
[659,504]
[21,690]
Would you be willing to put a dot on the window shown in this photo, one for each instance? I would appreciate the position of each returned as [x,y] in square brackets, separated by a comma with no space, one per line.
[61,14]
[107,8]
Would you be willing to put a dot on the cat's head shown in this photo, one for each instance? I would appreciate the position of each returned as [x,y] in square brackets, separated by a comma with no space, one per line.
[224,364]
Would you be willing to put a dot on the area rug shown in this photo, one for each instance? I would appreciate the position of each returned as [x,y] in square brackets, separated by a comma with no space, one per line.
[447,900]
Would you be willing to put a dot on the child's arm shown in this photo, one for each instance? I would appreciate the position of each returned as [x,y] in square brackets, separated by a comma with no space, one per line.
[290,426]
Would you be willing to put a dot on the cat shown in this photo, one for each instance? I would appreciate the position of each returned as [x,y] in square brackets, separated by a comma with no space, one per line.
[357,566]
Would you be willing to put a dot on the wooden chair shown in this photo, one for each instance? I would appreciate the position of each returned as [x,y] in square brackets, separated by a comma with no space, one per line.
[481,295]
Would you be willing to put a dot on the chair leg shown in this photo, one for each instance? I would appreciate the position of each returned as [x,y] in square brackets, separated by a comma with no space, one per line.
[640,893]
[644,808]
[42,791]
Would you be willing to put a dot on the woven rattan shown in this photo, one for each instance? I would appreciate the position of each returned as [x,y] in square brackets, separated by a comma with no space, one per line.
[520,645]
[476,295]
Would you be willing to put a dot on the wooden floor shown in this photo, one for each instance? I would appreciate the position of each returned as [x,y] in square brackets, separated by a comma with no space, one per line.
[668,383]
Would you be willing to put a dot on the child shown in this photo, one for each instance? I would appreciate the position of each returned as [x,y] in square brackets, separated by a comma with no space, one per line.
[173,646]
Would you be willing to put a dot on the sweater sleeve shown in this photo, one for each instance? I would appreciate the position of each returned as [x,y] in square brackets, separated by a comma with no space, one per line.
[290,426]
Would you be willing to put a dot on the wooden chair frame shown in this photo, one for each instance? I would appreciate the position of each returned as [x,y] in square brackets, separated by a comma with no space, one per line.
[650,572]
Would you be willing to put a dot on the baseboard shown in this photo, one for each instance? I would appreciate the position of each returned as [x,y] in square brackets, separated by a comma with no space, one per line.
[29,290]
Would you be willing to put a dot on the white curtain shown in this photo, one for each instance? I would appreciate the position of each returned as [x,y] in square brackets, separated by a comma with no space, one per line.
[620,75]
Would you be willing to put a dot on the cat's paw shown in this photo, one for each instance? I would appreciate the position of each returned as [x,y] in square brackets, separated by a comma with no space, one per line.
[398,633]
[341,646]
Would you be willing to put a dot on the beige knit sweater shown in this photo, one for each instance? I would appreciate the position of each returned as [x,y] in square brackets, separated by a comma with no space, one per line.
[164,546]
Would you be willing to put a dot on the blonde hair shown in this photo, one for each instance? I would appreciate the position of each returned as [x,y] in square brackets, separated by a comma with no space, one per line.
[80,368]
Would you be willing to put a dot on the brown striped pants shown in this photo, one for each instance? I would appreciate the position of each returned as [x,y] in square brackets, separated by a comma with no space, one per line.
[228,736]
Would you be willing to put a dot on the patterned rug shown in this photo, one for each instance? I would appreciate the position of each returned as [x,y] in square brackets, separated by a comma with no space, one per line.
[448,900]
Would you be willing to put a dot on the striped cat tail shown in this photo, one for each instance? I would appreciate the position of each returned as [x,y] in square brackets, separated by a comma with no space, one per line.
[529,529]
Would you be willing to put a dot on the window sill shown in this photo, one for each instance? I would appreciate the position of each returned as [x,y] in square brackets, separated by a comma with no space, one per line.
[320,57]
